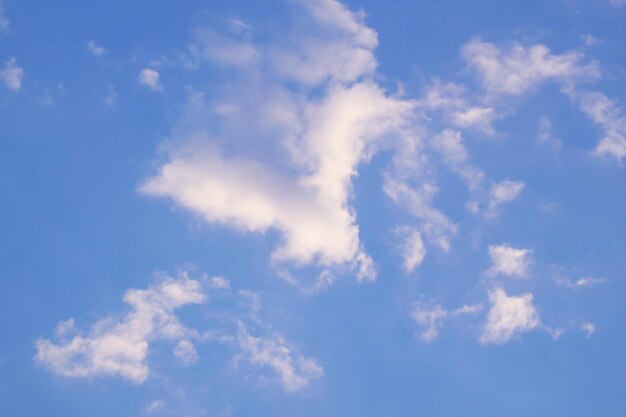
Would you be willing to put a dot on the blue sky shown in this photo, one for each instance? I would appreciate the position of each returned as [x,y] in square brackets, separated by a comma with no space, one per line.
[312,208]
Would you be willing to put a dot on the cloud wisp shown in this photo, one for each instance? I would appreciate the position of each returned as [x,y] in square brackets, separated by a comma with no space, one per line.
[12,75]
[431,319]
[5,24]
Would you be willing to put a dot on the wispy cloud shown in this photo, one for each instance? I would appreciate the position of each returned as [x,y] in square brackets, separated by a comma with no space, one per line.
[431,318]
[588,328]
[12,74]
[5,24]
[582,282]
[95,49]
[155,406]
[110,99]
[413,248]
[605,113]
[501,193]
[294,370]
[516,69]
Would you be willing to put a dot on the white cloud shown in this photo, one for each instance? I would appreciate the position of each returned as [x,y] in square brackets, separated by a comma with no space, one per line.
[605,113]
[613,144]
[346,58]
[509,261]
[432,318]
[299,114]
[580,282]
[321,282]
[220,283]
[253,198]
[437,228]
[110,99]
[413,249]
[588,328]
[228,51]
[95,49]
[508,317]
[336,15]
[5,25]
[449,144]
[501,193]
[480,117]
[544,132]
[454,103]
[310,204]
[295,371]
[120,348]
[518,68]
[150,78]
[155,406]
[186,352]
[12,75]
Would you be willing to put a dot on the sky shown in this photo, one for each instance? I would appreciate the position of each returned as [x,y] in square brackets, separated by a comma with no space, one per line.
[313,208]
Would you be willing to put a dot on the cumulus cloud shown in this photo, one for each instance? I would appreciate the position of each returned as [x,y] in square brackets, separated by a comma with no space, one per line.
[252,197]
[300,184]
[517,69]
[120,347]
[12,74]
[431,318]
[95,49]
[150,78]
[294,370]
[508,317]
